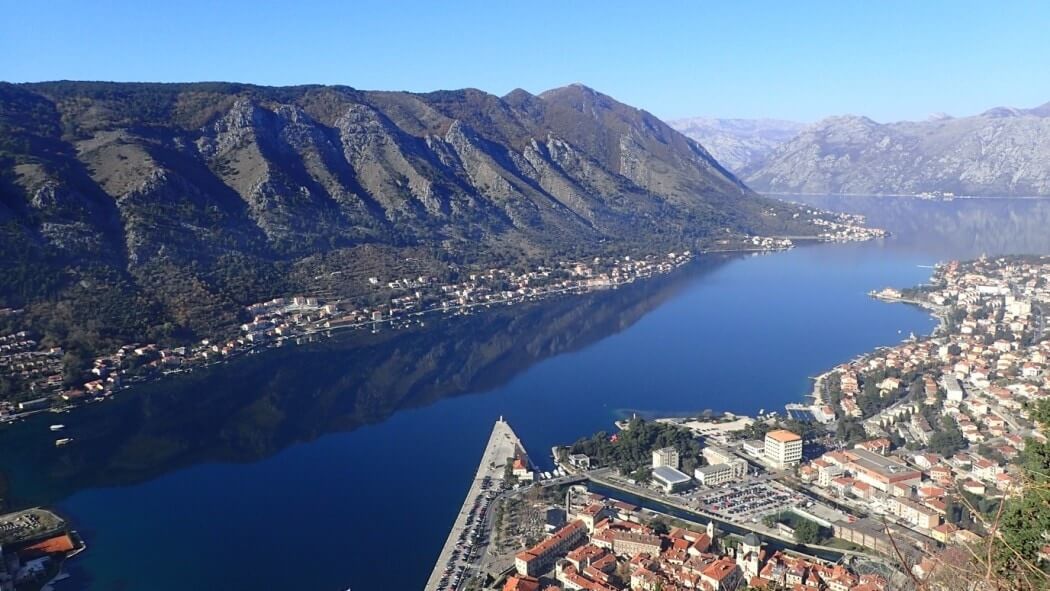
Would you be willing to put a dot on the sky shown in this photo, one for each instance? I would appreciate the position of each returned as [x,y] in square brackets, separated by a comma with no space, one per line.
[801,60]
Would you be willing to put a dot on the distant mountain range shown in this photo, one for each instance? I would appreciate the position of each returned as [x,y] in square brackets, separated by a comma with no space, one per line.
[739,144]
[1001,152]
[137,211]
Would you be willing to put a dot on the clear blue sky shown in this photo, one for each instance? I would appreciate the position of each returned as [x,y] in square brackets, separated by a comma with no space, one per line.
[799,60]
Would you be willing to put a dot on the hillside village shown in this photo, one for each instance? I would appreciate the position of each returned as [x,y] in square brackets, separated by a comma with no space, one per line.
[36,377]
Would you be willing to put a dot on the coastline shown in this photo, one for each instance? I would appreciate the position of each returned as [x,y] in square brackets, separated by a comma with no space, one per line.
[403,321]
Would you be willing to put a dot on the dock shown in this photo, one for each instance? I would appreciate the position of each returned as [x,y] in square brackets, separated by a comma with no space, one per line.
[503,445]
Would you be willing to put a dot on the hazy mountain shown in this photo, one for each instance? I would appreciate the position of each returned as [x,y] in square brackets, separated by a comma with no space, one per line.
[739,144]
[1003,151]
[154,211]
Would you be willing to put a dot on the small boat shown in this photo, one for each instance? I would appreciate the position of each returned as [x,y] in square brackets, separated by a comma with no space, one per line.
[57,427]
[63,441]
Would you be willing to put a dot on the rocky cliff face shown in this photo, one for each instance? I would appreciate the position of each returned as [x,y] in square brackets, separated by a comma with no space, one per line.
[739,144]
[189,199]
[1000,152]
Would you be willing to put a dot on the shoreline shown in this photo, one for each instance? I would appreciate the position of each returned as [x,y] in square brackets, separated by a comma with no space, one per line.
[907,195]
[404,321]
[937,312]
[502,445]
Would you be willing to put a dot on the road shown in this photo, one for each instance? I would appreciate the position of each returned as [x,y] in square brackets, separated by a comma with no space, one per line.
[503,444]
[1040,315]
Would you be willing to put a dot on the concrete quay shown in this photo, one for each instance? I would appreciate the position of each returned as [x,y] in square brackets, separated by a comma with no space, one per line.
[503,445]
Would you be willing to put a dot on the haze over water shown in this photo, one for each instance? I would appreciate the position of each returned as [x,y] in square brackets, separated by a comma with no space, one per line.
[336,464]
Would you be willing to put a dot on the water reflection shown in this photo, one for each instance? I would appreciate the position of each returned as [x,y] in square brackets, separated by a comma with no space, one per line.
[252,408]
[962,228]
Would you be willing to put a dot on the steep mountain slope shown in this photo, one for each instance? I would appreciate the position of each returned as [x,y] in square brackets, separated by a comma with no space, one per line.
[1002,152]
[739,144]
[155,211]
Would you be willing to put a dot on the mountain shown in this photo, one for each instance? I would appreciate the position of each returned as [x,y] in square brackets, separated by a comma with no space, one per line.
[141,211]
[739,144]
[1001,152]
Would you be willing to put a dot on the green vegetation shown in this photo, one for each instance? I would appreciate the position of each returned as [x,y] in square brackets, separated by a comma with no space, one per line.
[631,449]
[508,473]
[948,440]
[1025,519]
[807,532]
[850,430]
[756,430]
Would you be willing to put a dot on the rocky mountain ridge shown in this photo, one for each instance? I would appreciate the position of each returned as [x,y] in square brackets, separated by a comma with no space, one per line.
[157,211]
[1000,152]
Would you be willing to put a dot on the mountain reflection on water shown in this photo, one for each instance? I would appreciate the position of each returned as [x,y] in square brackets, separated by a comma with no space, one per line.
[255,406]
[960,228]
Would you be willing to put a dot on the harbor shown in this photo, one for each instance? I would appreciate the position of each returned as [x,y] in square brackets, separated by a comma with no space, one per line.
[453,565]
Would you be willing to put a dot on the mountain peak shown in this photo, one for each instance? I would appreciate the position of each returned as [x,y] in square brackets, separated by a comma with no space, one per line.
[574,89]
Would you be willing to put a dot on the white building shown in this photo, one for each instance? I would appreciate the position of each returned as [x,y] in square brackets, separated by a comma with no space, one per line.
[953,389]
[783,449]
[713,474]
[717,455]
[754,447]
[667,456]
[670,479]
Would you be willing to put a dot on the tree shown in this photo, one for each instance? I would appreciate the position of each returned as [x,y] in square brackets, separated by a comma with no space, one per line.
[660,527]
[807,532]
[1026,519]
[948,440]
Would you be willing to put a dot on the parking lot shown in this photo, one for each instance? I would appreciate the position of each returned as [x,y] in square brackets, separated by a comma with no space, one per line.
[747,501]
[471,539]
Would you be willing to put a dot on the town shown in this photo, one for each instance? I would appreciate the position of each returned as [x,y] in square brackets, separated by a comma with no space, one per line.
[35,377]
[894,474]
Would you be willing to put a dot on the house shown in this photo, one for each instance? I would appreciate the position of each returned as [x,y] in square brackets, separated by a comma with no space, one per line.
[880,446]
[943,533]
[521,583]
[722,575]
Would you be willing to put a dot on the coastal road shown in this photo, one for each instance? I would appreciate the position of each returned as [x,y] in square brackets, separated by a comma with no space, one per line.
[503,444]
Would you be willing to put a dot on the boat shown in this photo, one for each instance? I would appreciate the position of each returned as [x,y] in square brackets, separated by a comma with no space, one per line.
[57,427]
[63,441]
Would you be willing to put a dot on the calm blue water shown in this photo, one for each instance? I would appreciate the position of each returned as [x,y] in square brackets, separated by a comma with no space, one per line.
[343,463]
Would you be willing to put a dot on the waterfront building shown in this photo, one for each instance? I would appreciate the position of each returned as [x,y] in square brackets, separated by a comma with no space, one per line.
[581,461]
[783,449]
[670,479]
[666,456]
